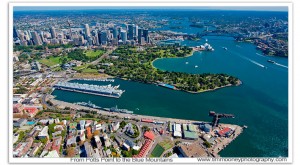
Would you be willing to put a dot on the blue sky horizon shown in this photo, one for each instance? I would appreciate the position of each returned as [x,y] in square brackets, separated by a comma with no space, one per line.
[234,8]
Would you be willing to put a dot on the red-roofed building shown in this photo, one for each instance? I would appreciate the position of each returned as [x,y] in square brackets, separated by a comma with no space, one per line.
[145,149]
[56,143]
[88,131]
[225,131]
[32,111]
[18,108]
[161,131]
[150,135]
[147,120]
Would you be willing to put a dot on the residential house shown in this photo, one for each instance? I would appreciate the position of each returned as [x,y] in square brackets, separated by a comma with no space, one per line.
[18,108]
[31,111]
[52,154]
[17,122]
[22,148]
[44,133]
[81,125]
[56,144]
[71,141]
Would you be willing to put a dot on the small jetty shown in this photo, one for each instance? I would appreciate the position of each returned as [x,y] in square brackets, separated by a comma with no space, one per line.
[167,85]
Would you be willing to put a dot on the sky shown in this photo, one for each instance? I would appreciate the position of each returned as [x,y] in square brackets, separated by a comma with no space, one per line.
[244,8]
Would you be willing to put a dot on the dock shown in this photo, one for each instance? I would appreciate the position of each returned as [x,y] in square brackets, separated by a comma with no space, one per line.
[105,90]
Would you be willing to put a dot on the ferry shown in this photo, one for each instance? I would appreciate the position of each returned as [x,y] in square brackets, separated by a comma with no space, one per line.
[270,61]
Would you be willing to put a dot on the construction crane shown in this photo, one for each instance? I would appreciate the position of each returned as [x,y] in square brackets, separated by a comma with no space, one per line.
[217,117]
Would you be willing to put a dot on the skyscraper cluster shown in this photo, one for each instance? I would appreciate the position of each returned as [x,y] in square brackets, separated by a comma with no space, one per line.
[130,34]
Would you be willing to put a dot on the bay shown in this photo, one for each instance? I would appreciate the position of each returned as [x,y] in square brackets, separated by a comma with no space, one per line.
[261,102]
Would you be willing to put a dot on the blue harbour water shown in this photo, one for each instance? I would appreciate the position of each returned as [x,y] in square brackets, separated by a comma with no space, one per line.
[261,102]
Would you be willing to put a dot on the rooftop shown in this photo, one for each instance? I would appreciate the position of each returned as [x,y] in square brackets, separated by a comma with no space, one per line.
[190,135]
[150,135]
[224,131]
[52,154]
[192,150]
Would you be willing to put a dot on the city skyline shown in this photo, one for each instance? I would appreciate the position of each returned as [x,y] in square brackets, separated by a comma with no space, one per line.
[234,8]
[171,74]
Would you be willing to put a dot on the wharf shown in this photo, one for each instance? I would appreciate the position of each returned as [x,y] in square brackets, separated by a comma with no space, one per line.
[221,142]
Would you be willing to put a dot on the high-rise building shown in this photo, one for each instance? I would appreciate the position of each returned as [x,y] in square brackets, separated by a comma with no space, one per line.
[36,38]
[140,34]
[109,35]
[95,37]
[119,30]
[70,30]
[142,41]
[103,37]
[28,34]
[53,32]
[87,30]
[135,30]
[42,37]
[21,37]
[130,31]
[115,32]
[99,36]
[81,40]
[96,40]
[15,32]
[124,36]
[146,35]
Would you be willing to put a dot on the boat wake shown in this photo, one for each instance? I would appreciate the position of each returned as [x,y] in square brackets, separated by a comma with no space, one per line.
[259,55]
[248,59]
[281,65]
[254,62]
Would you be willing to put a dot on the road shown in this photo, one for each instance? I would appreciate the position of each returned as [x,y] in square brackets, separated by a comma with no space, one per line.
[44,102]
[106,54]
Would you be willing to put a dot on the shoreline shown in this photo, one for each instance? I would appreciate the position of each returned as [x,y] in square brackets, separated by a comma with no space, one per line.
[103,112]
[156,83]
[208,90]
[78,76]
[191,54]
[218,147]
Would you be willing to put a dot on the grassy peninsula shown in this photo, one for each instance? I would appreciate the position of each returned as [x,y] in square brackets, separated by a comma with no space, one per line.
[135,63]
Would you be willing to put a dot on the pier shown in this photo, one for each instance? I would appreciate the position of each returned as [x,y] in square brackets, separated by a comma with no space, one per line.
[105,90]
[217,117]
